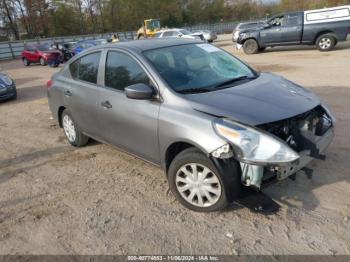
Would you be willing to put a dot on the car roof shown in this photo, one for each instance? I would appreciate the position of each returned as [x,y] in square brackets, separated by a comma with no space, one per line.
[149,44]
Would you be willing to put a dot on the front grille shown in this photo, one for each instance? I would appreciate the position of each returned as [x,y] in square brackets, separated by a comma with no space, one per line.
[299,131]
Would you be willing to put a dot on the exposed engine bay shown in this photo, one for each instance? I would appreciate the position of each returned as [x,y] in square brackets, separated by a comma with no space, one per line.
[308,134]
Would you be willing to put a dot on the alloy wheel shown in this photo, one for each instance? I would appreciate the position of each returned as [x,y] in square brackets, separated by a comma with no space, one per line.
[325,43]
[198,185]
[69,128]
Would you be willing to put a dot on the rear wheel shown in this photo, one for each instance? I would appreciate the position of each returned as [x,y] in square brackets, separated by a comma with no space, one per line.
[74,135]
[326,42]
[198,184]
[250,47]
[26,62]
[42,61]
[140,37]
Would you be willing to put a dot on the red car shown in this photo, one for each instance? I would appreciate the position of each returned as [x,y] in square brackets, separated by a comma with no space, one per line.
[42,54]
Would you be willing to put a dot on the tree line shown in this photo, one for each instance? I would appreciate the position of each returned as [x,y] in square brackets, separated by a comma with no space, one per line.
[43,18]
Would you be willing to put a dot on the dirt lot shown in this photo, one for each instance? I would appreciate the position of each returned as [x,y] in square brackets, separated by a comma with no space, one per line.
[55,199]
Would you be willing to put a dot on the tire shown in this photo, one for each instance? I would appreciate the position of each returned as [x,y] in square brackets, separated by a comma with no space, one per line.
[67,57]
[42,61]
[220,189]
[26,62]
[141,37]
[74,136]
[326,42]
[250,47]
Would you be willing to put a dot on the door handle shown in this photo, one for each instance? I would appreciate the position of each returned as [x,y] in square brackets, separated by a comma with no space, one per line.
[106,105]
[68,93]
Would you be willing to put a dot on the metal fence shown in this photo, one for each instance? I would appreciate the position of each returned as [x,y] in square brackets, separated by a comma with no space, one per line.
[13,49]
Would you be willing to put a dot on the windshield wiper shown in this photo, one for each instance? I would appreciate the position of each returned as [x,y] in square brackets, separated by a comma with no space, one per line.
[233,80]
[194,90]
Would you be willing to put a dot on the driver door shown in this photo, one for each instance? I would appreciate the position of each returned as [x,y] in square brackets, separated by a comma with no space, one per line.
[273,34]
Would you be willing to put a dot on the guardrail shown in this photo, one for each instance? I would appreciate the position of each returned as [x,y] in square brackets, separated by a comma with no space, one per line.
[13,49]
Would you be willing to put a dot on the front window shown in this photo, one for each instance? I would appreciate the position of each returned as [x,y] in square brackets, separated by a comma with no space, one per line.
[198,68]
[277,21]
[123,71]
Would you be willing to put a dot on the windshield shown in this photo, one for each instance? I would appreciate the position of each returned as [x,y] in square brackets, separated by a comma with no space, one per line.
[198,68]
[185,32]
[44,47]
[153,24]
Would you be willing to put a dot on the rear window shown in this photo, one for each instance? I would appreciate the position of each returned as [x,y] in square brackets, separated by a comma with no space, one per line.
[86,68]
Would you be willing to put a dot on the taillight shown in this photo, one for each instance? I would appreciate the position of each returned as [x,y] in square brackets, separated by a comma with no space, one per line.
[49,84]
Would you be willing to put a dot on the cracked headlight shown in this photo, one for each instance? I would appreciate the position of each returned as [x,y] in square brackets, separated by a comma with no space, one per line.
[253,146]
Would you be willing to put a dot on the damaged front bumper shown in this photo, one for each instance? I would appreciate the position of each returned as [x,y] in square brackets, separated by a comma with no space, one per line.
[261,176]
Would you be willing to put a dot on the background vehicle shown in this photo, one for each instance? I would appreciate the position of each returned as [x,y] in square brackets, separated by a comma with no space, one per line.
[42,54]
[148,28]
[178,33]
[208,35]
[323,28]
[65,49]
[218,125]
[85,44]
[7,88]
[244,26]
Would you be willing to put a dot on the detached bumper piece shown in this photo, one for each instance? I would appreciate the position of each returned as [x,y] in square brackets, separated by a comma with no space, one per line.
[308,134]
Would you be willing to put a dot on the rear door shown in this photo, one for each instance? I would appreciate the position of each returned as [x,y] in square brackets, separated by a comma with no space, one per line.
[291,30]
[82,93]
[128,123]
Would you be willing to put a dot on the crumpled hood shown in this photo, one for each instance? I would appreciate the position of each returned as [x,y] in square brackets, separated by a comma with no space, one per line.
[267,99]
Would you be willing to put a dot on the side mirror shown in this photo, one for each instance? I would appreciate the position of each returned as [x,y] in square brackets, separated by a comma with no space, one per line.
[139,91]
[266,25]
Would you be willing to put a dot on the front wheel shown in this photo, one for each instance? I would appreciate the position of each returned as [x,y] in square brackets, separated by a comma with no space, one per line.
[26,62]
[197,183]
[326,42]
[74,136]
[42,61]
[250,47]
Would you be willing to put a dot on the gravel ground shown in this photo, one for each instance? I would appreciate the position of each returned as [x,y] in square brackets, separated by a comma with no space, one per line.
[55,199]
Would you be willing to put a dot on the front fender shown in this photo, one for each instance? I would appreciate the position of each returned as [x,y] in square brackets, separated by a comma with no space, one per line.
[243,36]
[189,126]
